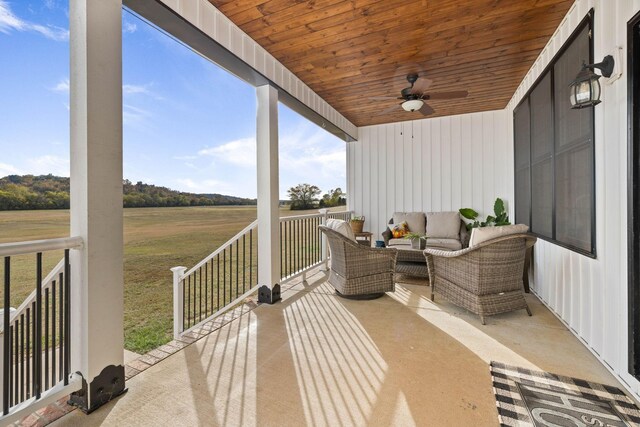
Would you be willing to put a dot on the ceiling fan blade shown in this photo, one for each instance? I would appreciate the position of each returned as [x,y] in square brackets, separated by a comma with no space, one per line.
[421,85]
[382,98]
[426,110]
[446,95]
[388,110]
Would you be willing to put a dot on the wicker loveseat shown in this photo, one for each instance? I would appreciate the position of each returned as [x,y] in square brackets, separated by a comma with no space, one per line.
[486,279]
[357,271]
[445,231]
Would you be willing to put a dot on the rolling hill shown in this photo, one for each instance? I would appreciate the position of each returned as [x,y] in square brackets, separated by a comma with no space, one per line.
[27,192]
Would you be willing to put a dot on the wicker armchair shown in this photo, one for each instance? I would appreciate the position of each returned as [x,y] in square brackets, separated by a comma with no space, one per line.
[485,279]
[357,271]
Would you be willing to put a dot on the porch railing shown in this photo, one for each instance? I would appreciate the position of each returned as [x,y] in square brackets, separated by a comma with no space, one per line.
[300,244]
[36,336]
[345,216]
[230,273]
[216,283]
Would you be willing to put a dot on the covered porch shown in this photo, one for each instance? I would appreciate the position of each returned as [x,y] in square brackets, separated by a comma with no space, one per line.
[292,352]
[318,359]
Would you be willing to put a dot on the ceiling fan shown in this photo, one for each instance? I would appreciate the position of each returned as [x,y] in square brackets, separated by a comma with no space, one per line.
[414,97]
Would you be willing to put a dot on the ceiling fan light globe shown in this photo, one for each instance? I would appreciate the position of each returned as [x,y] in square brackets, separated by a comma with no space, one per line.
[412,105]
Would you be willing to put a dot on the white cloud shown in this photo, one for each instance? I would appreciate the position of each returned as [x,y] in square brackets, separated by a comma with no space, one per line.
[7,169]
[129,27]
[133,115]
[133,89]
[241,152]
[62,86]
[316,168]
[10,22]
[312,151]
[307,154]
[129,89]
[47,164]
[205,186]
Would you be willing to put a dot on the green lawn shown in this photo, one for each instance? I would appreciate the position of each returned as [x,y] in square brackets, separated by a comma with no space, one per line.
[156,239]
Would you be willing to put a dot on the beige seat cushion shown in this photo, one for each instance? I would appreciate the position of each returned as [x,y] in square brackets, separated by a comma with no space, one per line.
[400,242]
[341,227]
[444,244]
[443,225]
[415,220]
[479,235]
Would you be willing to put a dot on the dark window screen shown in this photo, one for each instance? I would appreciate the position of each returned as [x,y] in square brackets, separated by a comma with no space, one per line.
[574,152]
[541,121]
[542,198]
[554,153]
[541,158]
[523,163]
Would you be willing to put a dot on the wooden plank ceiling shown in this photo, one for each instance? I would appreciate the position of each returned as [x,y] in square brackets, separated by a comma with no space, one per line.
[348,51]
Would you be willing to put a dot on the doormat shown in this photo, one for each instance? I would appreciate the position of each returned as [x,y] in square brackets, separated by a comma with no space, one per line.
[534,398]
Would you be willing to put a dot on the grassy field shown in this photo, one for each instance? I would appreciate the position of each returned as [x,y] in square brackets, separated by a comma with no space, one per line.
[156,239]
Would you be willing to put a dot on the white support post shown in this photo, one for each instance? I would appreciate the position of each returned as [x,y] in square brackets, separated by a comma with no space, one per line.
[97,283]
[268,195]
[324,247]
[178,301]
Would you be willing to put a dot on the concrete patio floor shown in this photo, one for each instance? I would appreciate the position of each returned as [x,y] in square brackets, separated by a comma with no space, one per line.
[317,359]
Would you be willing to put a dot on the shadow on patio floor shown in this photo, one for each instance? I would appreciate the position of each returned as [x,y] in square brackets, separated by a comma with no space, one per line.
[317,359]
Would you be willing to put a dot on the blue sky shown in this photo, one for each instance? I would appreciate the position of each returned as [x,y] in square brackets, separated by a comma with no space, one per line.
[188,124]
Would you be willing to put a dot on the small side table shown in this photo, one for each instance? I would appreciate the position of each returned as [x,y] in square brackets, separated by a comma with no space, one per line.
[364,238]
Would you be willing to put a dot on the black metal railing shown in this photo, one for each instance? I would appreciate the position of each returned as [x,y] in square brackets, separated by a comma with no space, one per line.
[218,280]
[230,273]
[36,336]
[300,244]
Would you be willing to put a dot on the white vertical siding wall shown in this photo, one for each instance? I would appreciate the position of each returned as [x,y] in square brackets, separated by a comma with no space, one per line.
[430,165]
[467,160]
[208,19]
[590,295]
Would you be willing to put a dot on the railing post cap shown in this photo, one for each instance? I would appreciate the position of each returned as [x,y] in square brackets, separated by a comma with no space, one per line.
[179,269]
[323,211]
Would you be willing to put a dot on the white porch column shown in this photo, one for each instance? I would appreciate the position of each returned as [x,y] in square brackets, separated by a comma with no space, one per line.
[96,199]
[268,195]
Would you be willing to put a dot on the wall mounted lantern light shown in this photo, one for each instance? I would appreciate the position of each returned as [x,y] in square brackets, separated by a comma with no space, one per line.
[585,89]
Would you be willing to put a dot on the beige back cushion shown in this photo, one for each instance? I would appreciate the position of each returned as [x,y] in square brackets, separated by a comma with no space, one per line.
[479,235]
[341,227]
[415,220]
[443,225]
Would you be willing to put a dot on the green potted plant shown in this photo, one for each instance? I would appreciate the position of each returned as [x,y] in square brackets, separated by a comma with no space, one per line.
[357,223]
[501,216]
[418,241]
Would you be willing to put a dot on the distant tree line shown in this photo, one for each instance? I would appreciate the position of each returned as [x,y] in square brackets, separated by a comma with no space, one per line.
[26,192]
[305,196]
